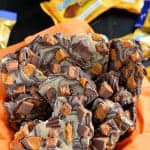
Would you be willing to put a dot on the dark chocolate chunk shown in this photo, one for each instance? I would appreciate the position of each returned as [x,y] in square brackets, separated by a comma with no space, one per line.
[100,143]
[25,108]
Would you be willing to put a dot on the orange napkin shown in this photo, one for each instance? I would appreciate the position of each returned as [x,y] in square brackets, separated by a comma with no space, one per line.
[138,140]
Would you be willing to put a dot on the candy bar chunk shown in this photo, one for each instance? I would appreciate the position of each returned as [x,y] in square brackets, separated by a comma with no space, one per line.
[7,79]
[32,142]
[73,72]
[25,108]
[100,143]
[65,90]
[105,129]
[55,68]
[12,65]
[29,69]
[9,63]
[96,69]
[105,90]
[69,133]
[66,109]
[100,111]
[61,54]
[29,74]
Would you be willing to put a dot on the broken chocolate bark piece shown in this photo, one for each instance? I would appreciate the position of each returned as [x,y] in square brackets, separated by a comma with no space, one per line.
[61,132]
[65,86]
[78,128]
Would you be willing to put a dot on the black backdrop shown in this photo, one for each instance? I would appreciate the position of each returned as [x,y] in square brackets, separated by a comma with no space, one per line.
[31,19]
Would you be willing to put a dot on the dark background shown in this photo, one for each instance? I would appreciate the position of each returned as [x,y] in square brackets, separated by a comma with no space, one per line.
[32,19]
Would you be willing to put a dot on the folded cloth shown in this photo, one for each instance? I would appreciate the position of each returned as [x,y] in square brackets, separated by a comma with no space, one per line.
[136,141]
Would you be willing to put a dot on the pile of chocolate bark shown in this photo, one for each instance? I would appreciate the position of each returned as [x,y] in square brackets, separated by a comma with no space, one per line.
[74,92]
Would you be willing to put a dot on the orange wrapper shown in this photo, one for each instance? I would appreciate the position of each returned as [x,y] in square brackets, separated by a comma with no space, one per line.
[138,140]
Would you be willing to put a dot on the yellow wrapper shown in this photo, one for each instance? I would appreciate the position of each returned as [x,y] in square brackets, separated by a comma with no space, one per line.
[143,36]
[147,21]
[148,72]
[134,6]
[5,29]
[7,21]
[83,9]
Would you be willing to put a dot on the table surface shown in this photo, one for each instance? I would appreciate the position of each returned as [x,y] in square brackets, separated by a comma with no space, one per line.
[113,23]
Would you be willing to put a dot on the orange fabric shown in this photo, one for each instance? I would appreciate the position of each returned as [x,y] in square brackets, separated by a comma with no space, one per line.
[138,140]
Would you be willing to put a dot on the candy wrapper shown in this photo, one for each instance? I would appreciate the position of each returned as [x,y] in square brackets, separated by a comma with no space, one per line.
[134,6]
[61,10]
[144,17]
[7,21]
